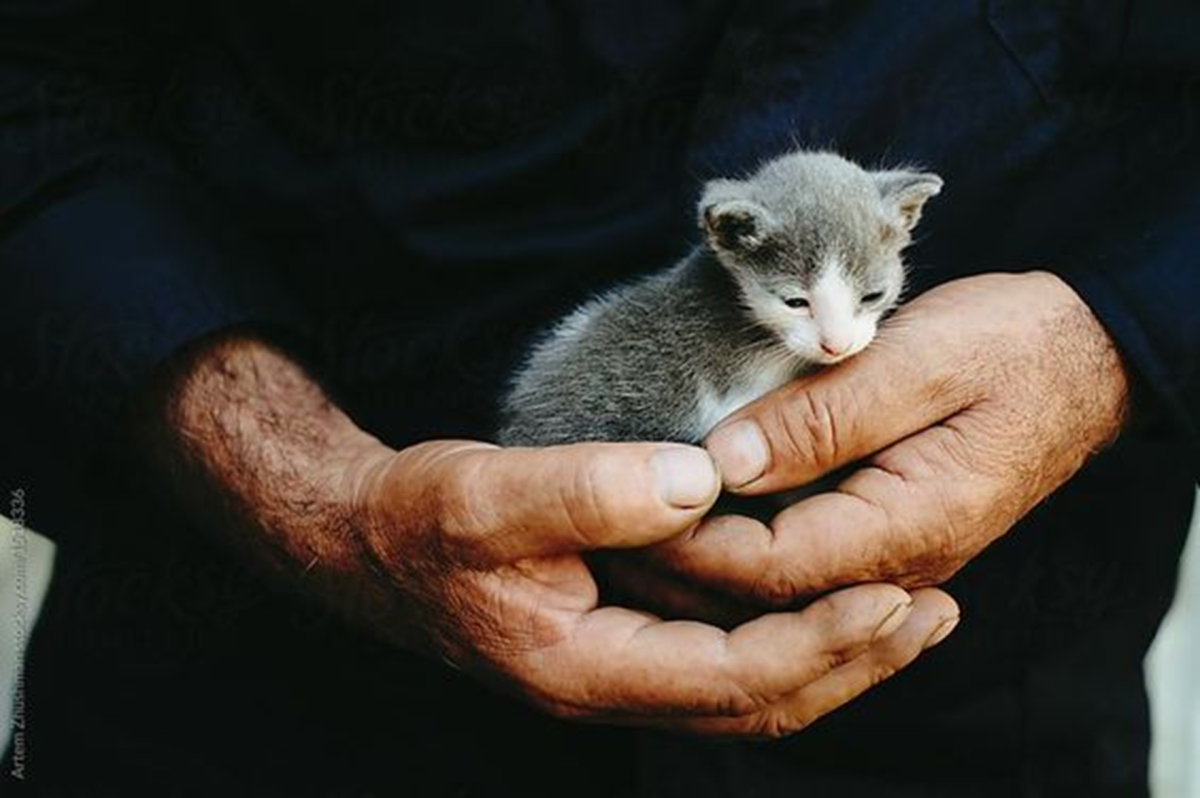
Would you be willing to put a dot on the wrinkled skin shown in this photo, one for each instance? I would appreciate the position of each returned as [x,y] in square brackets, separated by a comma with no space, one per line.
[977,400]
[473,554]
[488,563]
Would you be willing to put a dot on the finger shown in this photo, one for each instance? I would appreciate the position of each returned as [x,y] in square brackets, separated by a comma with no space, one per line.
[839,415]
[912,516]
[507,504]
[622,662]
[932,618]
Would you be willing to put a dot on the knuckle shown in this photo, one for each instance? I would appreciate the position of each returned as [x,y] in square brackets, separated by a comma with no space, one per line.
[732,695]
[738,702]
[950,540]
[932,566]
[881,672]
[935,554]
[957,447]
[527,624]
[951,383]
[830,617]
[934,543]
[835,658]
[585,504]
[774,587]
[775,724]
[810,430]
[463,519]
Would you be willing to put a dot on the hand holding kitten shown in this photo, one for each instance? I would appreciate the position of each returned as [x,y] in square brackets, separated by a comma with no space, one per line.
[481,548]
[471,554]
[977,401]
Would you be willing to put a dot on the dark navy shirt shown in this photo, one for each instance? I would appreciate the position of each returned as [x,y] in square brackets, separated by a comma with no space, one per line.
[408,193]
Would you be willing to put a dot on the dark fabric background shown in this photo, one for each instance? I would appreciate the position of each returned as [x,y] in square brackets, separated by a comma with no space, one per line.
[412,191]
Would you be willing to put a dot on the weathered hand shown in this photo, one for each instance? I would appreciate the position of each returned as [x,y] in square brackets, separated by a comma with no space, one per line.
[977,400]
[474,554]
[480,549]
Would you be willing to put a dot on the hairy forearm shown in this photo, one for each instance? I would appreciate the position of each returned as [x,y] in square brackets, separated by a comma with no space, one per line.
[254,450]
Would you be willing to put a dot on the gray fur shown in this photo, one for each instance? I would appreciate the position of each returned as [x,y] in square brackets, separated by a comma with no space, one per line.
[804,206]
[637,363]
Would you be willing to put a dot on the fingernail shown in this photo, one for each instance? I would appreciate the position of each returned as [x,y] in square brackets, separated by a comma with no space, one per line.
[686,476]
[740,451]
[894,620]
[941,633]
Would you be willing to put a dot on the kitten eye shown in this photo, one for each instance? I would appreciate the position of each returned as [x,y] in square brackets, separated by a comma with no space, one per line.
[871,298]
[796,302]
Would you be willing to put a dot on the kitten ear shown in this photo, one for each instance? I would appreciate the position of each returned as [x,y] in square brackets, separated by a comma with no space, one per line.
[731,221]
[907,192]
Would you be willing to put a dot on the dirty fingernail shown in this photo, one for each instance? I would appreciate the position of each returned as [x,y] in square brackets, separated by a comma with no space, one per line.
[740,451]
[941,632]
[686,476]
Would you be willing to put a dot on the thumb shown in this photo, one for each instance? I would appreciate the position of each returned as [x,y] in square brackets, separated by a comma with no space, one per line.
[899,385]
[505,504]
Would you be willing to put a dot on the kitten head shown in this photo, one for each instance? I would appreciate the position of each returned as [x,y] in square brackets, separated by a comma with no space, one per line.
[814,243]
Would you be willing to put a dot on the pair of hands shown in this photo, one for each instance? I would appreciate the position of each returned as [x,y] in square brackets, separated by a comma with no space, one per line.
[977,400]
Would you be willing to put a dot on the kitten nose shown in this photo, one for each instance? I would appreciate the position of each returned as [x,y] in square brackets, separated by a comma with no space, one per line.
[833,350]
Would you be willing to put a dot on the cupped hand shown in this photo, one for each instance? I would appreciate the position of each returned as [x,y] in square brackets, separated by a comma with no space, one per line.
[977,400]
[478,551]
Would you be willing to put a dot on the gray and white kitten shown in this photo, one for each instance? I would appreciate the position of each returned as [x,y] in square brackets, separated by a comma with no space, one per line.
[801,261]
